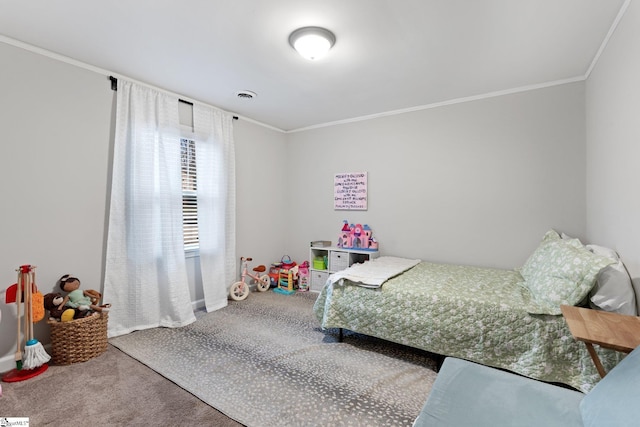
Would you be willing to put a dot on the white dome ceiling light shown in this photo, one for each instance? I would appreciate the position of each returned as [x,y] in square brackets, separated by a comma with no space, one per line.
[312,42]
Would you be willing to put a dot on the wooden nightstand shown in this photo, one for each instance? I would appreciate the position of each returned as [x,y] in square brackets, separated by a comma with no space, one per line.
[608,330]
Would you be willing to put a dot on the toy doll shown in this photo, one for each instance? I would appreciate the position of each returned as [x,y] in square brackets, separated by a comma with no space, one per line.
[79,299]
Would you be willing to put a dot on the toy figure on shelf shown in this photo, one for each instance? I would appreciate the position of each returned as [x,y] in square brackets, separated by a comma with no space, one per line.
[356,236]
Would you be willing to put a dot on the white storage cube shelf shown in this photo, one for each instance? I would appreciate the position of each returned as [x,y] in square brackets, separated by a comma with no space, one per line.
[337,259]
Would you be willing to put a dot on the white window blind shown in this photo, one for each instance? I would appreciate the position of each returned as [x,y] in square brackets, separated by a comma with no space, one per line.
[189,195]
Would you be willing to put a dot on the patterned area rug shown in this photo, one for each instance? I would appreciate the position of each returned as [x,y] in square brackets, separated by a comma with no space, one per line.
[266,362]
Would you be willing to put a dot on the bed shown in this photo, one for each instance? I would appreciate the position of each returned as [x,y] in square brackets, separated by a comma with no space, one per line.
[508,319]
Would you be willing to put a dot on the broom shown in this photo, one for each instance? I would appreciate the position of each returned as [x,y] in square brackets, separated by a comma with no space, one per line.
[19,288]
[34,353]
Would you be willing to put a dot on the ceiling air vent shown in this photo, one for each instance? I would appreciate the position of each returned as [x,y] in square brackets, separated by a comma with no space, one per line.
[246,94]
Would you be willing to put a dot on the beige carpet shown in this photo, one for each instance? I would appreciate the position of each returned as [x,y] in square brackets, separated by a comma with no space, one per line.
[265,362]
[111,390]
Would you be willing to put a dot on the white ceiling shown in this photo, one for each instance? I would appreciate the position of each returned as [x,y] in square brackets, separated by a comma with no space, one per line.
[390,55]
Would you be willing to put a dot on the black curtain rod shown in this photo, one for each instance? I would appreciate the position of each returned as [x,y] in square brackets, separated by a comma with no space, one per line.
[114,86]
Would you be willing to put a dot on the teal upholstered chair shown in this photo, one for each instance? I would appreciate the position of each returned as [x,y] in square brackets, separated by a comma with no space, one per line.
[468,394]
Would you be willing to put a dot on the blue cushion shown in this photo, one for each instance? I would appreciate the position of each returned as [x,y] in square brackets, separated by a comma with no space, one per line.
[614,400]
[468,394]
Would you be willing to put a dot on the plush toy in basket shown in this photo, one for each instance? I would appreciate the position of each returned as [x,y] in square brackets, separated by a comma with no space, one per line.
[54,303]
[78,323]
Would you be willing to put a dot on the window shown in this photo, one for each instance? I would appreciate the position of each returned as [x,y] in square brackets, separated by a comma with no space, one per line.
[189,195]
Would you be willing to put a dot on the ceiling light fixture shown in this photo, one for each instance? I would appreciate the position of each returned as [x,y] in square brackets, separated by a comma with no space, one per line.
[312,42]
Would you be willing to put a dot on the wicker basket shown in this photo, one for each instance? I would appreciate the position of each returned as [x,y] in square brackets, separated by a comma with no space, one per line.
[78,340]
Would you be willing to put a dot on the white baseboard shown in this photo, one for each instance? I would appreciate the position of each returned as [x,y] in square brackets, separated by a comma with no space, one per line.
[198,305]
[8,362]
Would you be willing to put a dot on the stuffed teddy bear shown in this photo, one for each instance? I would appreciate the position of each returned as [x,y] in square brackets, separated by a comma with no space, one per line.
[54,302]
[79,299]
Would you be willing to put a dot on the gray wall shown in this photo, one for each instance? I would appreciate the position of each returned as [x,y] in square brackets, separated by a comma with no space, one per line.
[475,183]
[54,166]
[263,205]
[613,144]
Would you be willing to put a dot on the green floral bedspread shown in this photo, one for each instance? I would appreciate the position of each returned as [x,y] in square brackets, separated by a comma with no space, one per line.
[466,312]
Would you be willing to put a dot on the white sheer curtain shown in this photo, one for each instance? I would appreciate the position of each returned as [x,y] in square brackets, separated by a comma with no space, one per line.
[215,163]
[146,278]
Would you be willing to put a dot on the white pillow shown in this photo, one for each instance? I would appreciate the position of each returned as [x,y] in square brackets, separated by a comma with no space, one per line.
[613,290]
